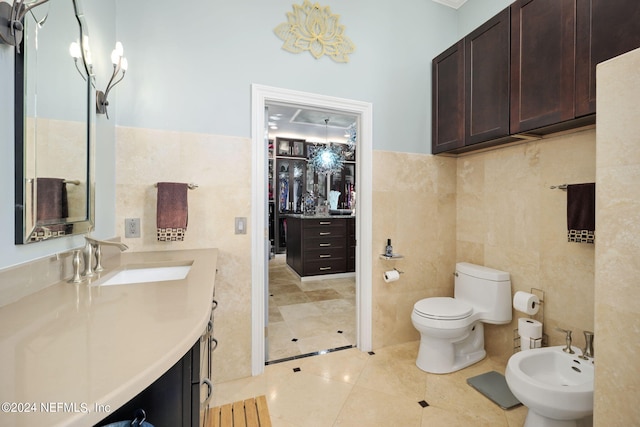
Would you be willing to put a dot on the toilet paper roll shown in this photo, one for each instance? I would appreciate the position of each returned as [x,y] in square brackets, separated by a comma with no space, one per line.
[391,276]
[530,331]
[526,303]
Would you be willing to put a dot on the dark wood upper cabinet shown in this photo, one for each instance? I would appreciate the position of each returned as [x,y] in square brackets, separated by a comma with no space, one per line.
[530,70]
[605,29]
[487,80]
[448,99]
[542,63]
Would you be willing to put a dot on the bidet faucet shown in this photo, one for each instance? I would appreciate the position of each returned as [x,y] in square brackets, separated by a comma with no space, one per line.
[567,349]
[93,249]
[588,345]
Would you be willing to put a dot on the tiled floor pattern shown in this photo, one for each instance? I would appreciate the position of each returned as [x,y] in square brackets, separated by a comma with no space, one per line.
[309,316]
[354,388]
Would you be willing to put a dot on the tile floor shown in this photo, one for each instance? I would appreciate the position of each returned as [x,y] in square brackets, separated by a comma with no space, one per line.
[308,316]
[354,388]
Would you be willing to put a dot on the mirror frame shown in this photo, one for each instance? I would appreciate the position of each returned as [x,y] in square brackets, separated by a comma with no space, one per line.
[25,207]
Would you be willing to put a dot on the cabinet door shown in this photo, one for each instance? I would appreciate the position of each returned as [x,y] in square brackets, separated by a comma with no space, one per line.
[542,63]
[487,80]
[605,29]
[448,99]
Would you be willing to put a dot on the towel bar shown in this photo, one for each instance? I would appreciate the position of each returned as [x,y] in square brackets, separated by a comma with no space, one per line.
[559,187]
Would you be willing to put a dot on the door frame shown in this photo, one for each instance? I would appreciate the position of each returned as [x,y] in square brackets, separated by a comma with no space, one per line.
[260,96]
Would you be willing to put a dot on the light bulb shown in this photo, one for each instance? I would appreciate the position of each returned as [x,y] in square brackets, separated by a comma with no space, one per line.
[124,64]
[74,50]
[119,48]
[115,57]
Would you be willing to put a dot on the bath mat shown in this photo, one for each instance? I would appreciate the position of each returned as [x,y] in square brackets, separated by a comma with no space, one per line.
[494,386]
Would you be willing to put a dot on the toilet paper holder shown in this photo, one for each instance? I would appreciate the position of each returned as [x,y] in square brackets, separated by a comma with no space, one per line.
[539,317]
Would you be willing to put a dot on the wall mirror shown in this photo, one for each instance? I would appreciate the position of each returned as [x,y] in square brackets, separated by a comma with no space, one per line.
[54,126]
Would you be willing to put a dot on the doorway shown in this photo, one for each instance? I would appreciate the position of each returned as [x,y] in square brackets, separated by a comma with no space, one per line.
[311,273]
[261,97]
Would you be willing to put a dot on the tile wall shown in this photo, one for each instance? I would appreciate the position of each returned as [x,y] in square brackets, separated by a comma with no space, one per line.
[617,311]
[414,204]
[221,166]
[509,219]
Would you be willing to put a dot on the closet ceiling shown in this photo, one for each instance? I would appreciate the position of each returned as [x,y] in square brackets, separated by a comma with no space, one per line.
[307,123]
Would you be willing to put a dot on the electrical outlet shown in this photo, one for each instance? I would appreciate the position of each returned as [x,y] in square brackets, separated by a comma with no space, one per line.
[132,227]
[241,225]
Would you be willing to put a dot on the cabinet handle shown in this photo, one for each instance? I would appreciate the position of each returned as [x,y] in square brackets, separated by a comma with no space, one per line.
[324,245]
[209,385]
[325,256]
[325,222]
[325,233]
[325,268]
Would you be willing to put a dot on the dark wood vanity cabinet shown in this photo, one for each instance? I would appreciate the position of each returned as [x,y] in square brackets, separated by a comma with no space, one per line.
[605,29]
[471,88]
[318,246]
[542,63]
[173,400]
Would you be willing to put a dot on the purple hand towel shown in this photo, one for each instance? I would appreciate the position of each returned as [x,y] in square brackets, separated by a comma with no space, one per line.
[581,212]
[172,211]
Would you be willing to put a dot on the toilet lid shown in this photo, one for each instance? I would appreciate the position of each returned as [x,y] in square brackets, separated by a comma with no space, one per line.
[443,308]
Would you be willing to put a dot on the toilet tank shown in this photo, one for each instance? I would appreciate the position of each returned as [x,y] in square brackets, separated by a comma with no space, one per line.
[486,289]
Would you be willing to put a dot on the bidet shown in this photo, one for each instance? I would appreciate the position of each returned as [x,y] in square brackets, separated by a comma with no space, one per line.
[556,386]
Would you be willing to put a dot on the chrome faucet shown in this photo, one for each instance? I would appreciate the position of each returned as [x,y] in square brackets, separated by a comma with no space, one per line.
[93,249]
[567,349]
[588,345]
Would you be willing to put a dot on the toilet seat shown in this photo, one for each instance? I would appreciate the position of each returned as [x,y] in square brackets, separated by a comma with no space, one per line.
[442,308]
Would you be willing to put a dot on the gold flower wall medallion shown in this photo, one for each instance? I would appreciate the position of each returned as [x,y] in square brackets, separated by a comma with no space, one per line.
[314,28]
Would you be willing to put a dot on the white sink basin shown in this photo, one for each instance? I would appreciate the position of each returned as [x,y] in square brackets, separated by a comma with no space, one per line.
[141,274]
[554,385]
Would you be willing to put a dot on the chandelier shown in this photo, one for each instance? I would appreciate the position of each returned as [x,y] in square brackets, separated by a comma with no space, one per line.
[327,159]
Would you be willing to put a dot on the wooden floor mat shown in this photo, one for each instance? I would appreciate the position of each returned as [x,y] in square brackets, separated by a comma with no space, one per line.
[244,413]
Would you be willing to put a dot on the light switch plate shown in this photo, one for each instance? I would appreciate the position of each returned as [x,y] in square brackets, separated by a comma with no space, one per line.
[241,225]
[132,227]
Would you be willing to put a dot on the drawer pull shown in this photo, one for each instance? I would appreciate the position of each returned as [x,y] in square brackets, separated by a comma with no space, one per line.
[325,233]
[324,245]
[325,222]
[325,256]
[325,268]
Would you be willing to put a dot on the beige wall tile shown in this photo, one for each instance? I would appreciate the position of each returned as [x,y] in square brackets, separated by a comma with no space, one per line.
[414,206]
[509,219]
[221,166]
[617,312]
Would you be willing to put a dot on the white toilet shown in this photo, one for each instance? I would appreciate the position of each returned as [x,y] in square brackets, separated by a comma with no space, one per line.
[451,329]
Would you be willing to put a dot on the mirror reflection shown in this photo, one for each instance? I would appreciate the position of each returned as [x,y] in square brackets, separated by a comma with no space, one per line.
[53,125]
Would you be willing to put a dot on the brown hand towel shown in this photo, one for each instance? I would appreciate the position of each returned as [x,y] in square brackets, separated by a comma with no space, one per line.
[52,208]
[581,212]
[172,211]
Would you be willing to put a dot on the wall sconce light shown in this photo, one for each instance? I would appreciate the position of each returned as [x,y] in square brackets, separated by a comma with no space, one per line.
[11,21]
[120,66]
[76,53]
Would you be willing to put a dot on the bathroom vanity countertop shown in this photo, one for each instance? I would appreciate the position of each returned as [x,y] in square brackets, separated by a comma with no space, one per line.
[72,354]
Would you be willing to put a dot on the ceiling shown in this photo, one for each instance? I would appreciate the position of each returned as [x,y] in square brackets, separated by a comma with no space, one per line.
[295,121]
[451,3]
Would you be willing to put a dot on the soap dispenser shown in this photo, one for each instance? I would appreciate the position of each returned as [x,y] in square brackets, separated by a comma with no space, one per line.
[388,251]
